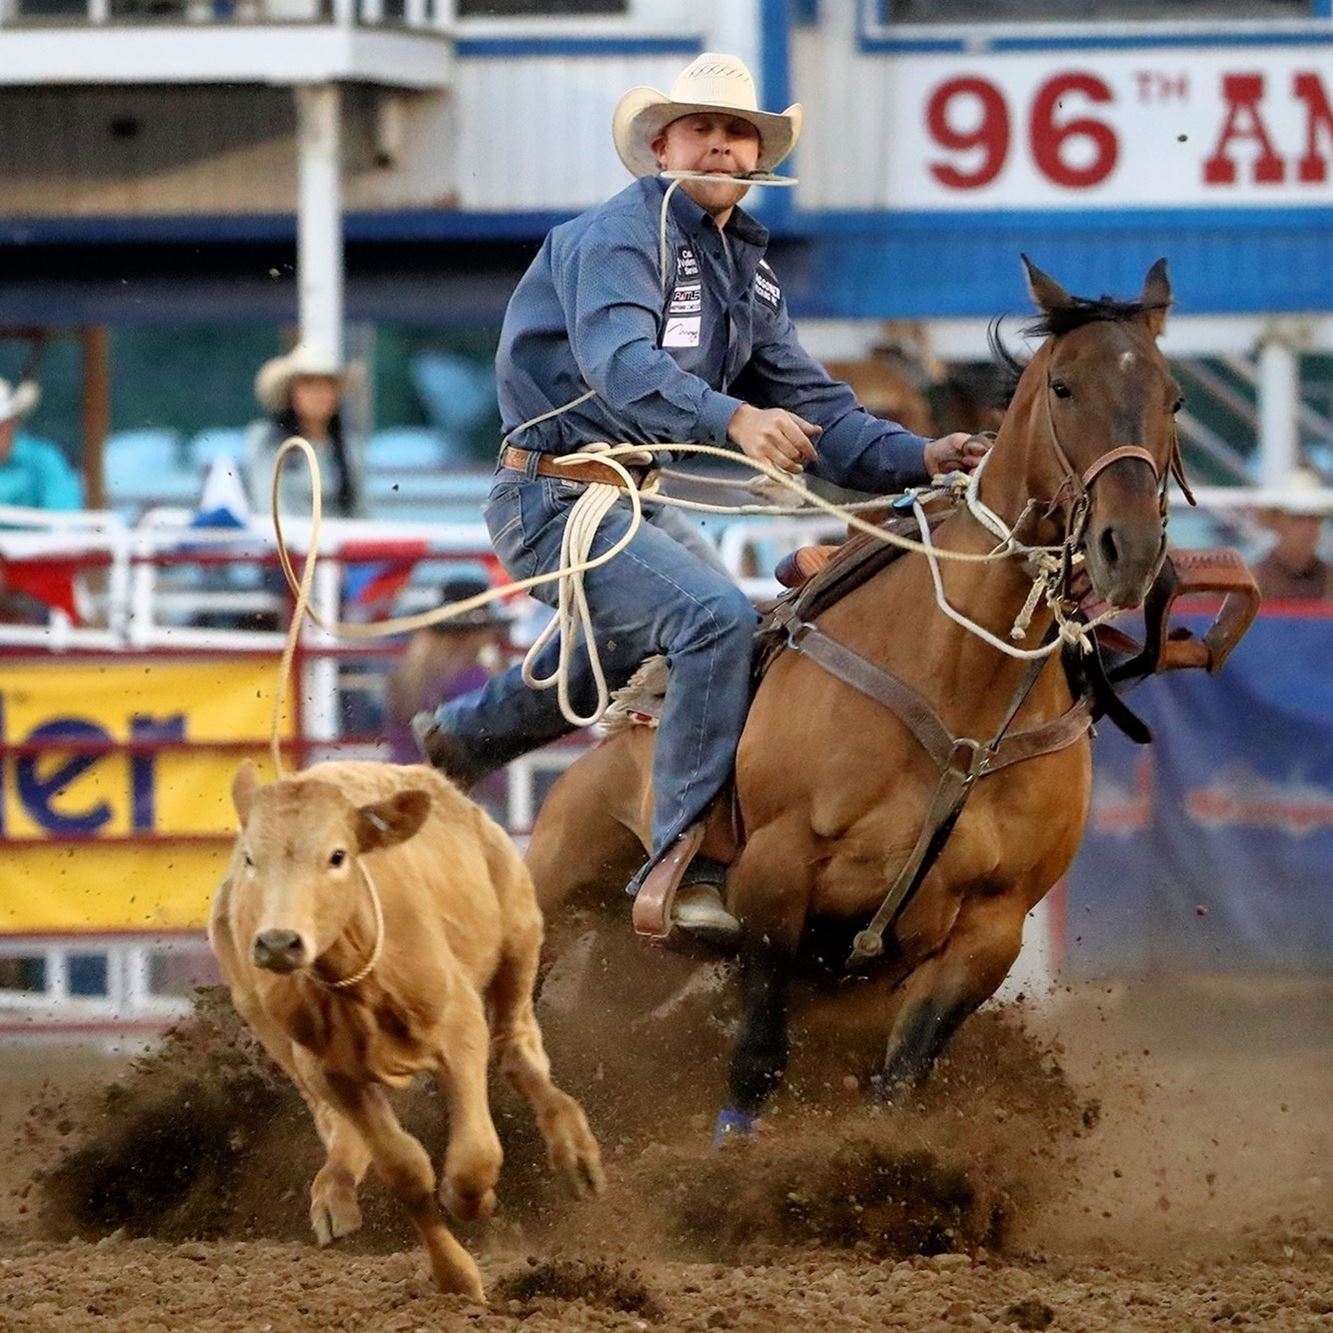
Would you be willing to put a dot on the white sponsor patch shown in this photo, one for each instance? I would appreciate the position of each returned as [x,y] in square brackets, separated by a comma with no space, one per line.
[682,332]
[687,266]
[767,291]
[686,300]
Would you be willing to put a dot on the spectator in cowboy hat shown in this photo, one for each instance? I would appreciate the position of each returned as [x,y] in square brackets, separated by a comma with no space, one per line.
[1293,571]
[34,473]
[302,393]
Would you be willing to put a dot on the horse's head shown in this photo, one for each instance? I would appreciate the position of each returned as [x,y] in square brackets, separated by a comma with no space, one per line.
[1102,397]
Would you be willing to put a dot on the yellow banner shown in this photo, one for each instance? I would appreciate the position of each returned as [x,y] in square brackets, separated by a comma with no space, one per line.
[50,802]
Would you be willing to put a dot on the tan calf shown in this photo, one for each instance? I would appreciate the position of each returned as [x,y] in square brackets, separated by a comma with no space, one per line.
[374,923]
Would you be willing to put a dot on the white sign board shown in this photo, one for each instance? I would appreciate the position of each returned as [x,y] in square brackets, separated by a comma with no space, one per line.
[1139,129]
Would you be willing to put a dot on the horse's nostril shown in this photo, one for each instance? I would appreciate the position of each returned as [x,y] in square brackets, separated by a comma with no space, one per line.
[1110,551]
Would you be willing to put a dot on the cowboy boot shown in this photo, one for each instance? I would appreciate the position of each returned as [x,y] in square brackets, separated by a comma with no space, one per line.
[698,907]
[443,752]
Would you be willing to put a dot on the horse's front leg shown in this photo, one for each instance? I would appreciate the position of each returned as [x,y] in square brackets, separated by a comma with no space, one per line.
[770,893]
[943,990]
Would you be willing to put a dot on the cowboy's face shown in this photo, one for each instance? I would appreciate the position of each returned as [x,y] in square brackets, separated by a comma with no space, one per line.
[707,141]
[1297,538]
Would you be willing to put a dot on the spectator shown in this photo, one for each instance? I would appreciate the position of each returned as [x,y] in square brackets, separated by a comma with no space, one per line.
[34,473]
[302,393]
[441,663]
[1293,571]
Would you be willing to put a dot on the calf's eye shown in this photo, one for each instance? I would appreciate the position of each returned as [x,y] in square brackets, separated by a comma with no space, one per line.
[337,858]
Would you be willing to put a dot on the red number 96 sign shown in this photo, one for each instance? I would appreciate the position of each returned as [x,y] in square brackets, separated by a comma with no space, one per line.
[969,117]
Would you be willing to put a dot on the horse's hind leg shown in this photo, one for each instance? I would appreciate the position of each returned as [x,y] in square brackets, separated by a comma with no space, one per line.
[771,896]
[937,995]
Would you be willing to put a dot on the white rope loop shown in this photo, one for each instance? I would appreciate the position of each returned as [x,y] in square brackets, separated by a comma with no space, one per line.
[377,907]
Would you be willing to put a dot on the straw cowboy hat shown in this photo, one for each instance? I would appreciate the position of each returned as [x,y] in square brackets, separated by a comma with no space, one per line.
[18,400]
[1302,495]
[273,383]
[713,83]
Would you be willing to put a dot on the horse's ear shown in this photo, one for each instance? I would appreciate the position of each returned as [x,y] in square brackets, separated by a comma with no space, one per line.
[243,788]
[1046,292]
[1157,297]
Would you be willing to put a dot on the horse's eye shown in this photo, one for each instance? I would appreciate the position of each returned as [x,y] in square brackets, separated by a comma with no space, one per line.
[1061,390]
[337,858]
[1178,404]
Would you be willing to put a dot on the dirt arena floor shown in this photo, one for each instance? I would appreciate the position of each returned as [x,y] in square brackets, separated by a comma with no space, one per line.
[1143,1156]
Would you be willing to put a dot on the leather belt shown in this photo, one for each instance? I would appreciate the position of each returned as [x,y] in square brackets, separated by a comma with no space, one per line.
[585,470]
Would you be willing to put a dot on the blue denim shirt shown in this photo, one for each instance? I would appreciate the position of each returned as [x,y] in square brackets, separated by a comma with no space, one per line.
[673,359]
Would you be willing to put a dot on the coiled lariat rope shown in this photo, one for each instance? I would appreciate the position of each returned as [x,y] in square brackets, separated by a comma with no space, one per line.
[573,618]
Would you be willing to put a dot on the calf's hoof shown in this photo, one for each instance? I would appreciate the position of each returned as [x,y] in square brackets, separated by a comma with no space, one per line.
[334,1213]
[465,1201]
[572,1151]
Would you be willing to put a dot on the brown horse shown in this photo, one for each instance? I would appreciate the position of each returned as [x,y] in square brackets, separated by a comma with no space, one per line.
[833,787]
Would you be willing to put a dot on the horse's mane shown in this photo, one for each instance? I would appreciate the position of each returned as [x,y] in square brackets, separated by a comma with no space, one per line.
[1062,319]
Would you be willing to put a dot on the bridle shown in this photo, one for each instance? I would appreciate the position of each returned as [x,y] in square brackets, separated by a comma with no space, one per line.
[1075,489]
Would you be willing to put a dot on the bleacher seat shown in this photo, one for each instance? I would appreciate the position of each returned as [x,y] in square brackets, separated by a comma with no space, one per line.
[457,393]
[148,467]
[413,448]
[216,442]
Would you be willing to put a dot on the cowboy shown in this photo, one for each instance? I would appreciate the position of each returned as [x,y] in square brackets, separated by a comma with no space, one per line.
[654,318]
[34,473]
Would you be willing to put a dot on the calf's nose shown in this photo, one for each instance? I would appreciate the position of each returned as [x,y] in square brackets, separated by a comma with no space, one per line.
[279,950]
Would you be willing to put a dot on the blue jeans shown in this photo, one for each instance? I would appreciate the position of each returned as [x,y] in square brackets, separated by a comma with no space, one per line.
[665,593]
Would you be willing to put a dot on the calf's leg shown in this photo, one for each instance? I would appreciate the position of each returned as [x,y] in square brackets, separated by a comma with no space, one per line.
[472,1159]
[404,1166]
[517,1041]
[334,1211]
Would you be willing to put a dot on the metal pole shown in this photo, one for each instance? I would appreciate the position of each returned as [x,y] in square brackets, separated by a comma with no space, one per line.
[1279,404]
[96,412]
[319,242]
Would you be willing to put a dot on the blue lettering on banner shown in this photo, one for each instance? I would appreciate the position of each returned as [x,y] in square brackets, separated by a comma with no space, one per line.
[143,788]
[41,779]
[38,790]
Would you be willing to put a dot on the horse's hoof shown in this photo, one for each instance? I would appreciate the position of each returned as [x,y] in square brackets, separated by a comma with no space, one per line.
[731,1126]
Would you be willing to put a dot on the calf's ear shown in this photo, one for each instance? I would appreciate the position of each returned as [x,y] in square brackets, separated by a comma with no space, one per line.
[391,821]
[243,788]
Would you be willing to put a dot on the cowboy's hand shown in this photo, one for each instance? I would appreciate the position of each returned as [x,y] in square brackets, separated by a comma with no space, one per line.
[959,452]
[773,436]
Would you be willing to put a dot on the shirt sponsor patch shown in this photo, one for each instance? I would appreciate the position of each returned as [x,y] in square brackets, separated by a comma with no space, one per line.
[767,290]
[682,332]
[687,266]
[687,300]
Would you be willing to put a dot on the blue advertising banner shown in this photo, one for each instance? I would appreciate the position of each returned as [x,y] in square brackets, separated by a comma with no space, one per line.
[1212,849]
